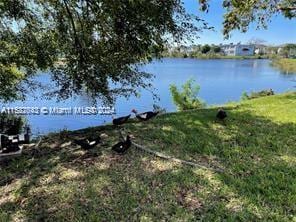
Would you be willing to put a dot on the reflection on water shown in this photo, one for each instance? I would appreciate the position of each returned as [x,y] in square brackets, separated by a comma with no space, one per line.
[220,80]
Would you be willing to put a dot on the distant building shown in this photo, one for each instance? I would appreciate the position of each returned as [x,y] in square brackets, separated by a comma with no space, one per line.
[279,50]
[260,49]
[238,49]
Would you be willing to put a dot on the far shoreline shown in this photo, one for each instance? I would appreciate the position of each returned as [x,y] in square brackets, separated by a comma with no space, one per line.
[209,57]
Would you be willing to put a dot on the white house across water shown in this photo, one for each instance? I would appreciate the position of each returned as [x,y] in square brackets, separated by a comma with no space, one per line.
[238,49]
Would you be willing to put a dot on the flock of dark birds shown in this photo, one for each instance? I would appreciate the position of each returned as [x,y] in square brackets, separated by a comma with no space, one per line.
[122,146]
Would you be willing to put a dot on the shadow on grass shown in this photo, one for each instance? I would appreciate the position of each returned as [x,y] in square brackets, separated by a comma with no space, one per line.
[258,182]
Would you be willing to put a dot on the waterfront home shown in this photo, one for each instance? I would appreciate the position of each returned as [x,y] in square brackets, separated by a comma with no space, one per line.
[238,49]
[260,49]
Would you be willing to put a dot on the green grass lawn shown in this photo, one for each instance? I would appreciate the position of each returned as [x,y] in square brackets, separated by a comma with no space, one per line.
[256,147]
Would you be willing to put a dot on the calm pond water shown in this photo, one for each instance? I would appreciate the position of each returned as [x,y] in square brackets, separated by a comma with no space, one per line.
[220,81]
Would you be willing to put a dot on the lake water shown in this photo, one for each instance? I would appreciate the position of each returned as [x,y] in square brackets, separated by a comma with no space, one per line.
[220,81]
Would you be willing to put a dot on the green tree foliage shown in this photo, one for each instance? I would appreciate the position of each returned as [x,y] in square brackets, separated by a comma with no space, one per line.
[205,48]
[216,49]
[10,78]
[239,14]
[102,42]
[187,98]
[289,50]
[11,124]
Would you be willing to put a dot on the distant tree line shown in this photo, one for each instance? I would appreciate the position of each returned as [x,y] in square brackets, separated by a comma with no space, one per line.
[215,51]
[192,51]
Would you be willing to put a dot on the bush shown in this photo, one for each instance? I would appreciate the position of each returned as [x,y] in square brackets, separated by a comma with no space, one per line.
[187,98]
[254,95]
[205,49]
[244,96]
[11,124]
[216,49]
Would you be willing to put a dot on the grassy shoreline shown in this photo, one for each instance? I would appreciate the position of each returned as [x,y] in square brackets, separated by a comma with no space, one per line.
[287,66]
[255,146]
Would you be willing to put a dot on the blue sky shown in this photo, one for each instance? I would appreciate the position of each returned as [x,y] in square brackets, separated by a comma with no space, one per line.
[280,30]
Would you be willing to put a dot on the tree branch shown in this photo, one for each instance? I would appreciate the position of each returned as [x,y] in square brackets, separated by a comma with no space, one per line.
[288,8]
[77,42]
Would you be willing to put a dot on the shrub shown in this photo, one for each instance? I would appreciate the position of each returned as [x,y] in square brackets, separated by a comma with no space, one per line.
[186,98]
[244,96]
[11,124]
[216,49]
[205,49]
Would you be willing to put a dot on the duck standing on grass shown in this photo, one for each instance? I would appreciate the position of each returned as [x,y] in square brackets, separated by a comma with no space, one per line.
[221,115]
[122,147]
[145,116]
[120,120]
[88,143]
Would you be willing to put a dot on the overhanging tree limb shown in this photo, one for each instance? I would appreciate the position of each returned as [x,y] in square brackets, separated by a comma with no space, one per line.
[77,41]
[99,57]
[290,8]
